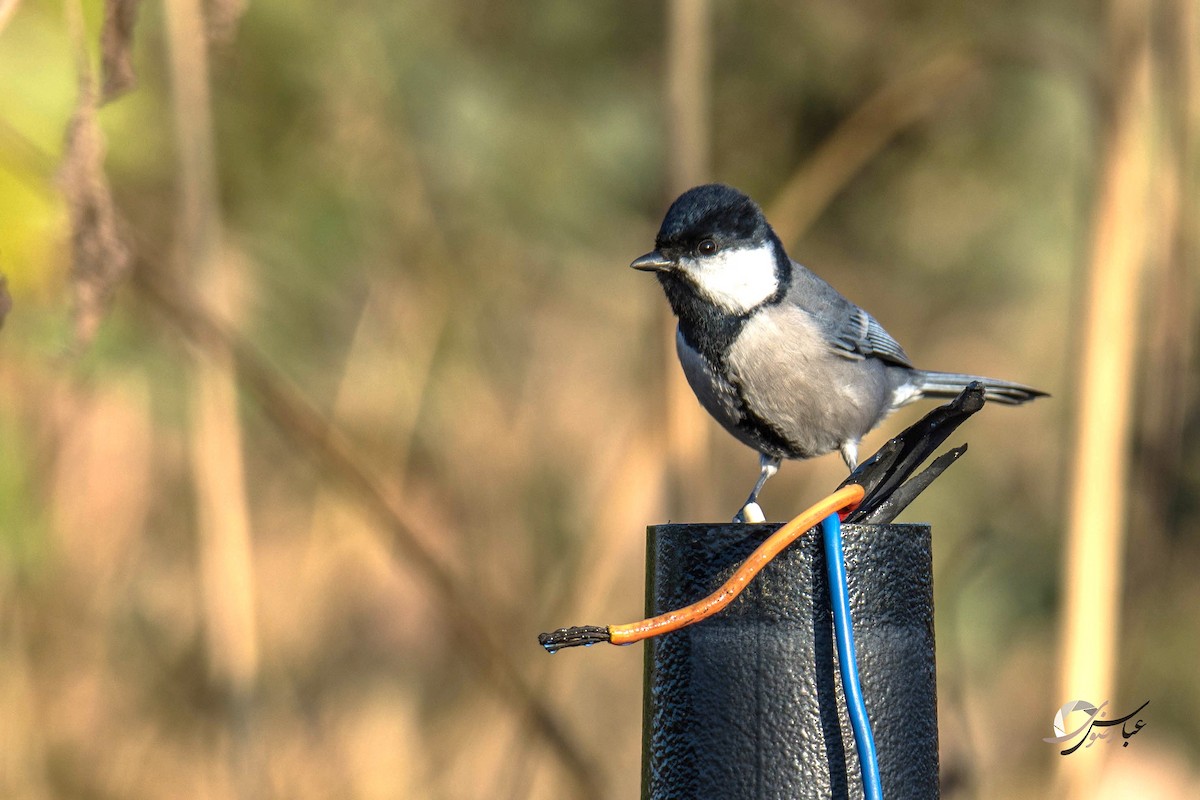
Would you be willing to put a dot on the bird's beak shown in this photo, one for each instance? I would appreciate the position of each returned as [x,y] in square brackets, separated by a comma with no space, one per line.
[653,261]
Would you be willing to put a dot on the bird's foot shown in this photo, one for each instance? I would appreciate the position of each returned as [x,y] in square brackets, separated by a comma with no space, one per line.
[751,512]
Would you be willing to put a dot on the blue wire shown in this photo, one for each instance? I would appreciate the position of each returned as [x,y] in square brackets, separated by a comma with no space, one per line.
[839,597]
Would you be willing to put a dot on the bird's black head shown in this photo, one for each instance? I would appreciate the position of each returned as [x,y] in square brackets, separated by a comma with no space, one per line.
[716,248]
[713,212]
[718,261]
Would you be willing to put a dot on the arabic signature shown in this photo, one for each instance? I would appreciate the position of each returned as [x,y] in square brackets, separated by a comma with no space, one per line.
[1093,721]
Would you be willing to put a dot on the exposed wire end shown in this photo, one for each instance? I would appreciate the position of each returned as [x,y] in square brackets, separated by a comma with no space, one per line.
[579,636]
[883,473]
[846,497]
[889,509]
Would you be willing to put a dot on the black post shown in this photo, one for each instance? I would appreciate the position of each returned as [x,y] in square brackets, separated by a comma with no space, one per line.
[749,703]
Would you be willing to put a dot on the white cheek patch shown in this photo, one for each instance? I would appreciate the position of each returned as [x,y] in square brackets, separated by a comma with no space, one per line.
[737,280]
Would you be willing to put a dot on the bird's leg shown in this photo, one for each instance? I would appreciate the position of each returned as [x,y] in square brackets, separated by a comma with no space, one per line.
[850,453]
[751,511]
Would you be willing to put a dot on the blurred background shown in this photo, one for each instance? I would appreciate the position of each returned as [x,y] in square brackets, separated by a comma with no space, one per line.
[326,386]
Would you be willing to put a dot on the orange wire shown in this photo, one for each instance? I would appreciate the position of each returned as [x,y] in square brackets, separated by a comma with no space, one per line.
[846,497]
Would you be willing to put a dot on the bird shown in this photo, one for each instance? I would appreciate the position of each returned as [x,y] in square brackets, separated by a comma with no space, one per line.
[781,359]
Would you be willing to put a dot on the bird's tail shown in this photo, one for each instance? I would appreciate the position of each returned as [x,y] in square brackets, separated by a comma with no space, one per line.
[949,384]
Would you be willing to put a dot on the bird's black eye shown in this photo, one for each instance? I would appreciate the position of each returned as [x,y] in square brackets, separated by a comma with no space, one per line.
[707,247]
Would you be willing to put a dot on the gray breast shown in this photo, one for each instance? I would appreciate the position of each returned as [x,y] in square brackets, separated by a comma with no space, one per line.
[783,371]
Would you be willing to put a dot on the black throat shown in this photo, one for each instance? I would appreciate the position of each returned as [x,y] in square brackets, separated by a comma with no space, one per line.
[707,329]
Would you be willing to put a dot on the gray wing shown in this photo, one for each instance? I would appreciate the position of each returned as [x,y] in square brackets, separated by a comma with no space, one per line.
[850,331]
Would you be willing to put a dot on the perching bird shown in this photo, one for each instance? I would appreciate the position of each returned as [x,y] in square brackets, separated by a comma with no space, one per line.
[783,361]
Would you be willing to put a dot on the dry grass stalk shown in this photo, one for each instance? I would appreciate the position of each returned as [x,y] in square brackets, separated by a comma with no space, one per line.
[100,257]
[1098,496]
[223,520]
[116,47]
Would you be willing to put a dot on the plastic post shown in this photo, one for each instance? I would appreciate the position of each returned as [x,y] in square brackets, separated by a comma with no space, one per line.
[749,703]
